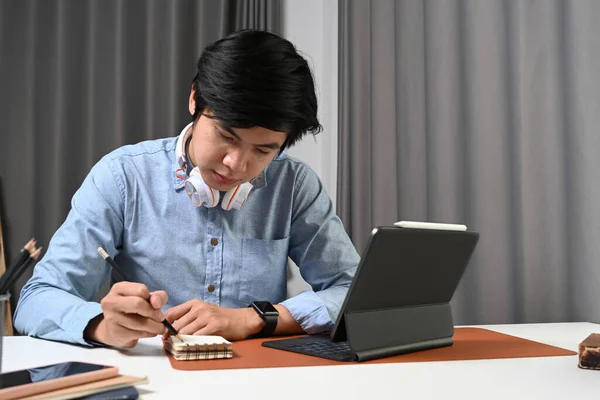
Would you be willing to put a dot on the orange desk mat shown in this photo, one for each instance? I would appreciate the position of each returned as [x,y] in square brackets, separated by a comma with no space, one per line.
[469,344]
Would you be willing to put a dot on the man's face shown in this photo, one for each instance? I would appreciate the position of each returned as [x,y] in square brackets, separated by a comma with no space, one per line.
[228,157]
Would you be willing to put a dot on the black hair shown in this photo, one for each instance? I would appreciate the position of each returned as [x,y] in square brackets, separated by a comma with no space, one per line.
[255,78]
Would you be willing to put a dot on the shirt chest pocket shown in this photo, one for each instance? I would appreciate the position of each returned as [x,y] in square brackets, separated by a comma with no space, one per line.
[264,270]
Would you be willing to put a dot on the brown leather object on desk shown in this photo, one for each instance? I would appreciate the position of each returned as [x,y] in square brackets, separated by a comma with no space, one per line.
[589,352]
[469,344]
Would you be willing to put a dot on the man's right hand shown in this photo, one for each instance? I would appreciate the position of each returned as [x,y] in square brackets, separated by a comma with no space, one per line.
[129,312]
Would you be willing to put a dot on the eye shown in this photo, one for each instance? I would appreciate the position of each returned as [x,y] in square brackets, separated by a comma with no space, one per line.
[227,138]
[262,152]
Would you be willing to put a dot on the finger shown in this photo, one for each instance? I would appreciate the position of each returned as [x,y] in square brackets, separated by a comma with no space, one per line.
[130,305]
[177,312]
[127,345]
[141,325]
[193,326]
[136,335]
[186,320]
[131,289]
[206,330]
[158,299]
[124,337]
[130,338]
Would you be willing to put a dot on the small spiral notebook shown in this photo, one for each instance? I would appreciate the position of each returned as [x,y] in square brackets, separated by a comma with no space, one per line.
[198,347]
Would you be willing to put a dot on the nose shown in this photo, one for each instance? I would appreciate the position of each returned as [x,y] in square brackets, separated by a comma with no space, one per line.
[236,160]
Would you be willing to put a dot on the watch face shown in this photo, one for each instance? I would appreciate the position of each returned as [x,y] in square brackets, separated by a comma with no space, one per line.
[265,307]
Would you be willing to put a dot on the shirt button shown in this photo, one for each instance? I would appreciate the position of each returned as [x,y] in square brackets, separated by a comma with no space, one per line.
[211,288]
[214,241]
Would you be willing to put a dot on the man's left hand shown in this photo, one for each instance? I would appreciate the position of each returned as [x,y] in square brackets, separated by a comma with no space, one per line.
[196,317]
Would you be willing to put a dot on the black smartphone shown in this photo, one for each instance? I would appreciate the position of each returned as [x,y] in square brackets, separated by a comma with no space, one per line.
[31,381]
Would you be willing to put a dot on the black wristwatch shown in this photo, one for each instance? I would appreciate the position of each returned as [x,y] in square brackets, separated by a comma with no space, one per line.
[269,314]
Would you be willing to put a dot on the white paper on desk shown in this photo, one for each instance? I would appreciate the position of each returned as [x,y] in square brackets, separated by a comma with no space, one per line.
[197,341]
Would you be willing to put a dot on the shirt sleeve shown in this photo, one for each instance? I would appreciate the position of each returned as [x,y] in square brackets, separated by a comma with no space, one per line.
[326,257]
[56,303]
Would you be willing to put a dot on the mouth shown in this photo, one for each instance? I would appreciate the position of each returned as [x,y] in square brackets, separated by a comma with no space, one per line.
[224,179]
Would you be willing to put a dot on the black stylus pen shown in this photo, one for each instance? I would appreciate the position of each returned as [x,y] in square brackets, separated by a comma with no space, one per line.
[116,267]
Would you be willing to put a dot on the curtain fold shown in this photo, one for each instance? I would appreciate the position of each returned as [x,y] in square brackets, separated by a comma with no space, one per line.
[483,113]
[81,78]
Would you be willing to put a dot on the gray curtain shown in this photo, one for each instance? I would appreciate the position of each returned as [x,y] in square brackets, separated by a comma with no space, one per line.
[483,112]
[81,78]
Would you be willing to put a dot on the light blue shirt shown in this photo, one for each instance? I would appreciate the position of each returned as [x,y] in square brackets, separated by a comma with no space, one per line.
[134,206]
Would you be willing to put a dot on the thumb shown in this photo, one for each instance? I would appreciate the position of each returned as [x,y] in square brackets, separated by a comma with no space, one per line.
[158,299]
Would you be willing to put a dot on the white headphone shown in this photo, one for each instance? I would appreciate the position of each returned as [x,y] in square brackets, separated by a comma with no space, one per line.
[195,187]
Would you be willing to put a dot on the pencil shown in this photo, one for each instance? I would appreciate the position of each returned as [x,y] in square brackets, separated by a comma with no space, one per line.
[116,267]
[29,253]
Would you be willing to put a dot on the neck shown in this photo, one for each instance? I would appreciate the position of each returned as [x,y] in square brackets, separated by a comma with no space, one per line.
[189,163]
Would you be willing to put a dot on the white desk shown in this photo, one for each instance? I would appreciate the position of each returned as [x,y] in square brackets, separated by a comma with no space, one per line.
[525,378]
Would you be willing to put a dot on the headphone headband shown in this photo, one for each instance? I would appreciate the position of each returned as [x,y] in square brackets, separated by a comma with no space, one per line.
[180,146]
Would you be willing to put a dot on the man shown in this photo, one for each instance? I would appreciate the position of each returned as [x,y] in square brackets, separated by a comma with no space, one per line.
[252,96]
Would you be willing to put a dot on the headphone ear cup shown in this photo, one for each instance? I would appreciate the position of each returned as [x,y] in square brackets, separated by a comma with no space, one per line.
[236,197]
[199,192]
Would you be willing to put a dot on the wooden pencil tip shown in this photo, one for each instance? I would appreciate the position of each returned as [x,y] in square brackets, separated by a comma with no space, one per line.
[30,246]
[36,254]
[103,253]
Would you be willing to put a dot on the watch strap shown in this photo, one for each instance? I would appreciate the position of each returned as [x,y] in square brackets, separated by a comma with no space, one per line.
[270,323]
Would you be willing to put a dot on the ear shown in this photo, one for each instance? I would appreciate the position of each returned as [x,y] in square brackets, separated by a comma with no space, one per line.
[192,102]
